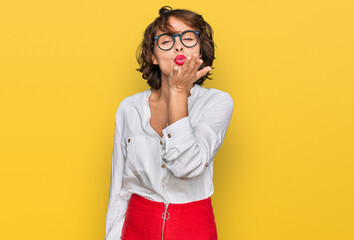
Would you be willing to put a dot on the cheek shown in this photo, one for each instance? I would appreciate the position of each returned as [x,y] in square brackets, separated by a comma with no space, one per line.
[163,58]
[165,61]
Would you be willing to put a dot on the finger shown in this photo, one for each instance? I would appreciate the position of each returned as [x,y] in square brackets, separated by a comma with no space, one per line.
[196,68]
[193,62]
[202,72]
[185,65]
[177,70]
[198,64]
[174,71]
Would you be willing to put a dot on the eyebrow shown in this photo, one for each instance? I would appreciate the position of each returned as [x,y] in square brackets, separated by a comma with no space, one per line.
[176,32]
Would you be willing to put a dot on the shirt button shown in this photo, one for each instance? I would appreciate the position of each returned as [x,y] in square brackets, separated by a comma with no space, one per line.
[129,140]
[161,142]
[207,164]
[168,135]
[163,166]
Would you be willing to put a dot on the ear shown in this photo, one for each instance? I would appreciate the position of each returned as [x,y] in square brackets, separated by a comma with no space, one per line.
[154,59]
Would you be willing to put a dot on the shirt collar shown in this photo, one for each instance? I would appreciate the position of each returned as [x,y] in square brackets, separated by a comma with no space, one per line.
[194,93]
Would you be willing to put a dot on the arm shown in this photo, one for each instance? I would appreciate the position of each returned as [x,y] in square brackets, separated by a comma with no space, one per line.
[180,82]
[189,150]
[177,106]
[117,206]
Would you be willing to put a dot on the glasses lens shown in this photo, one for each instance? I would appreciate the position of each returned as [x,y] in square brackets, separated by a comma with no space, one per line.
[165,42]
[189,39]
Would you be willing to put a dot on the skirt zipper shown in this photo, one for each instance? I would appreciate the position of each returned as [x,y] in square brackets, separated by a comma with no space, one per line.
[165,216]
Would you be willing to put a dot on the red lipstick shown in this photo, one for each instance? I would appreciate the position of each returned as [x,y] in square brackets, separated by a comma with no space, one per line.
[180,59]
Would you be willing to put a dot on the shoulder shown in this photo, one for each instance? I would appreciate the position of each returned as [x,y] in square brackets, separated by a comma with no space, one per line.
[131,102]
[216,96]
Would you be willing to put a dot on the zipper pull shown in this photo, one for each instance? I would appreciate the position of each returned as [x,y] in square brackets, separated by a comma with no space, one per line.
[165,214]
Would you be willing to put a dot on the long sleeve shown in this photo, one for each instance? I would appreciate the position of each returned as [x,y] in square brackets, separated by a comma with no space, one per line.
[117,206]
[189,150]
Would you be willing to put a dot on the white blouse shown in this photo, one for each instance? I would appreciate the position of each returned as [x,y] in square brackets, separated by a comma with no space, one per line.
[177,168]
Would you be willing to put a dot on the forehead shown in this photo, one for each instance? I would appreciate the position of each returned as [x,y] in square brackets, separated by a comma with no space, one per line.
[177,26]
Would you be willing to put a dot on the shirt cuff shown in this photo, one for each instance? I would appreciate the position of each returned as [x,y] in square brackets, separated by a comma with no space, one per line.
[178,129]
[177,135]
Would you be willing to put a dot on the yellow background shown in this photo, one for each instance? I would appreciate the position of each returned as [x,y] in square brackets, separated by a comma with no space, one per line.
[286,168]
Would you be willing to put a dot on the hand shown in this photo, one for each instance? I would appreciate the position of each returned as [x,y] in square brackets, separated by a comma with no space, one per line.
[181,78]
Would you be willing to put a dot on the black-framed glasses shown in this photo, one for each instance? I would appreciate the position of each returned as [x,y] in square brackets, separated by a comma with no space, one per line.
[188,38]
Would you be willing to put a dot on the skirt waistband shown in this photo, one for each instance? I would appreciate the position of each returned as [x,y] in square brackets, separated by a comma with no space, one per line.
[150,203]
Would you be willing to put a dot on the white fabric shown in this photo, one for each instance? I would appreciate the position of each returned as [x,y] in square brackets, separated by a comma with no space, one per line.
[187,152]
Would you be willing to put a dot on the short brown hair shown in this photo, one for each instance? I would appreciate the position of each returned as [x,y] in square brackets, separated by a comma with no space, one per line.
[152,72]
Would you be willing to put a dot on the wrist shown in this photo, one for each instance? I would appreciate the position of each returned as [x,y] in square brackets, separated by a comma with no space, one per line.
[177,95]
[180,90]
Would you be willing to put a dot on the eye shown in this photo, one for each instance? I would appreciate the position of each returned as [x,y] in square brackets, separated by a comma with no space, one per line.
[166,42]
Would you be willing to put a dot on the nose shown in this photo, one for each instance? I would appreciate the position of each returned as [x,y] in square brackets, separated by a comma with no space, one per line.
[178,45]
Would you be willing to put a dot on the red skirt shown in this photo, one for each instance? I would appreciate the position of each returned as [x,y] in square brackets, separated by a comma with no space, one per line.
[150,220]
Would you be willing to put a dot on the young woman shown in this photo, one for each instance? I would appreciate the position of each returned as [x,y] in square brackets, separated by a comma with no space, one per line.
[166,137]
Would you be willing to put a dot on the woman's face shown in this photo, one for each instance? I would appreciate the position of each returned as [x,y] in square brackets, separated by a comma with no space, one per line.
[166,59]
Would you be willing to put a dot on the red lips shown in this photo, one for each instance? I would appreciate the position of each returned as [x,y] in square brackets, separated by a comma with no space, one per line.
[180,59]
